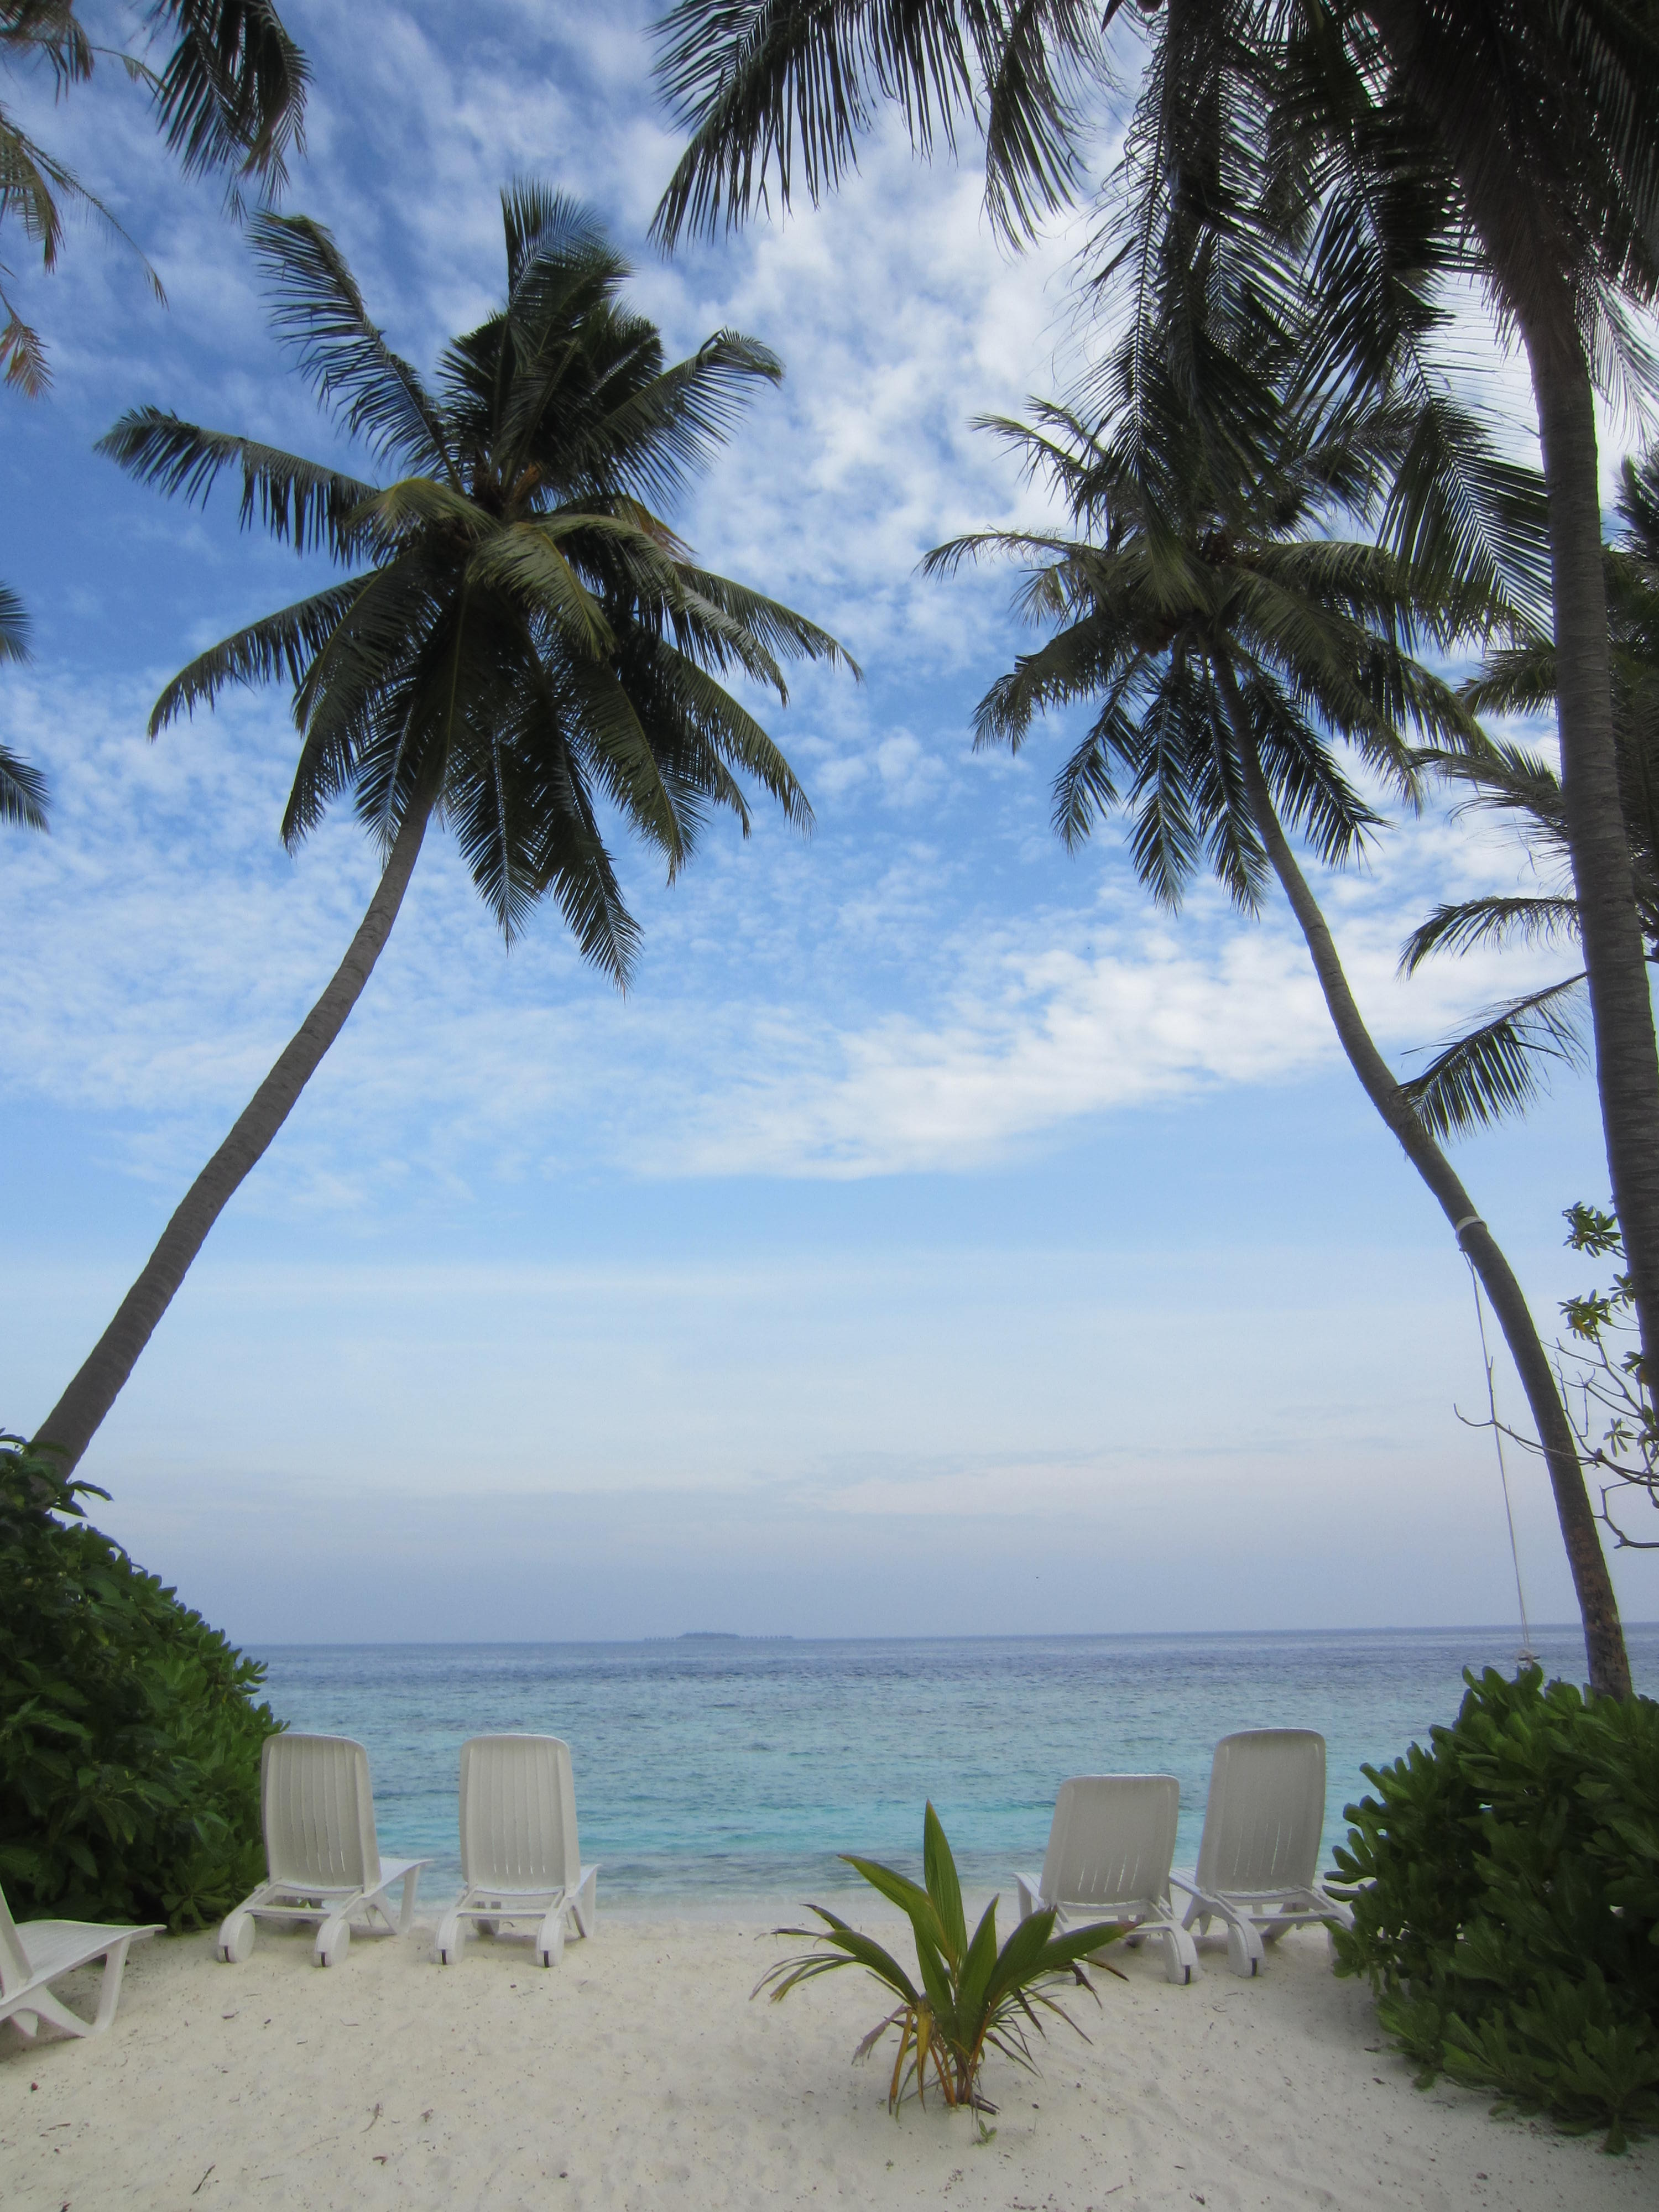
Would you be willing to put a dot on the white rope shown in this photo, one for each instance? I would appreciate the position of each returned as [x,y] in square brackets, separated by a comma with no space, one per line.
[1526,1656]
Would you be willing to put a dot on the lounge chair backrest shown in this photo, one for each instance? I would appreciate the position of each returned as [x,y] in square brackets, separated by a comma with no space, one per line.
[13,1963]
[319,1812]
[518,1813]
[1265,1813]
[1112,1840]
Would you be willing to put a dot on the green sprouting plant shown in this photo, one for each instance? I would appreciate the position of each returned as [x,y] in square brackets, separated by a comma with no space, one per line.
[1506,1901]
[129,1736]
[973,1998]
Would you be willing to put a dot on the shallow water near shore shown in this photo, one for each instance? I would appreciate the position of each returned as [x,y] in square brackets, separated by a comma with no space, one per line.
[711,1771]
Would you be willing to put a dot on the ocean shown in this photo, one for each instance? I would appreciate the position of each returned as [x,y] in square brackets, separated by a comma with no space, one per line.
[719,1774]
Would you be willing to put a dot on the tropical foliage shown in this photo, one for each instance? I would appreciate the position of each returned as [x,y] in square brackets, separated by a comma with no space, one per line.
[130,1734]
[229,92]
[973,1999]
[1603,1368]
[1496,1068]
[1506,1906]
[523,644]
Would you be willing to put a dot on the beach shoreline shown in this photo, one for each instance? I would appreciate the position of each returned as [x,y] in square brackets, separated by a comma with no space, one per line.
[638,2074]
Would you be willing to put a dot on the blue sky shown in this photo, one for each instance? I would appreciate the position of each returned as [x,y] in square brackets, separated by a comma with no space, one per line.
[936,1239]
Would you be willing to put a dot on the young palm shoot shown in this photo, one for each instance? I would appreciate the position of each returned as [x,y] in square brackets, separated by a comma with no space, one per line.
[522,642]
[1228,646]
[973,1999]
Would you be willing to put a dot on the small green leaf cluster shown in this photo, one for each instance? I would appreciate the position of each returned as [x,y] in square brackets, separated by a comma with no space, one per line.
[973,1999]
[1509,1916]
[129,1737]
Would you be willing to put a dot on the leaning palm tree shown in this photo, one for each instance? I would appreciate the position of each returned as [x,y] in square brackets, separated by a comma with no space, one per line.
[228,95]
[1227,646]
[1495,1068]
[22,789]
[1523,132]
[523,640]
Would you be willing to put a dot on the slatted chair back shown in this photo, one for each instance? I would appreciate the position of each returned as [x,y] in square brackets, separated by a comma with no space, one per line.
[1265,1813]
[318,1810]
[1112,1839]
[518,1813]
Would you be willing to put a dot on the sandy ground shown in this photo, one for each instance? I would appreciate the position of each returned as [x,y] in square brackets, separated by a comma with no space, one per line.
[637,2075]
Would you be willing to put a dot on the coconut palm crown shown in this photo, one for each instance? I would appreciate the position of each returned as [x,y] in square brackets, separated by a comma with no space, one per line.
[523,649]
[528,640]
[1225,647]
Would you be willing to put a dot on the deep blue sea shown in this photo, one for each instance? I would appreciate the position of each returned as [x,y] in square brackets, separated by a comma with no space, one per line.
[716,1773]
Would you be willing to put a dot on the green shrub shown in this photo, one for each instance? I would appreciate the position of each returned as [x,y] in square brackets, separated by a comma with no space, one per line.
[129,1734]
[1510,1929]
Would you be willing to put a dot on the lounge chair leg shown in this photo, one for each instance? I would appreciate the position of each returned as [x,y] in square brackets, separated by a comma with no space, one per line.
[1180,1956]
[1244,1949]
[333,1941]
[235,1939]
[27,2023]
[406,1911]
[447,1947]
[115,1960]
[585,1905]
[550,1940]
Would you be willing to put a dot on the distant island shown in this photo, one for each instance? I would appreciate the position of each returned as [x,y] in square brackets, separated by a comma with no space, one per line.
[727,1636]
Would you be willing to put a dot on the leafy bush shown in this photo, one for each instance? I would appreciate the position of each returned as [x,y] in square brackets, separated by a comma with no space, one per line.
[1510,1929]
[974,1999]
[129,1736]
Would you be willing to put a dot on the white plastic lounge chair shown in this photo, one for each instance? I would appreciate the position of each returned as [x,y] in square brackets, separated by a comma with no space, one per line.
[1259,1855]
[521,1859]
[1109,1850]
[321,1860]
[41,1952]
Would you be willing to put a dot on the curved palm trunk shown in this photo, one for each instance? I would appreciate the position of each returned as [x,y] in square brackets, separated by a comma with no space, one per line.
[1604,1638]
[74,1420]
[1526,259]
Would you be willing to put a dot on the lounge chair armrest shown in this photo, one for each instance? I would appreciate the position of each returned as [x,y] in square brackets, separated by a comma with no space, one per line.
[1029,1889]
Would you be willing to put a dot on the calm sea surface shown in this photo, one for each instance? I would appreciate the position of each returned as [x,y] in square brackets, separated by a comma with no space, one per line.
[715,1772]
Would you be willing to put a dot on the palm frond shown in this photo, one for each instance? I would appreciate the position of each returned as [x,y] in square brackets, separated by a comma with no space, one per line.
[299,502]
[1490,920]
[233,90]
[23,792]
[317,309]
[1499,1068]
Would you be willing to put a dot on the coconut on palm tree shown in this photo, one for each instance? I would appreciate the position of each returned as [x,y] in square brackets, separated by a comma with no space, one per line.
[1230,647]
[1495,1068]
[522,641]
[1523,131]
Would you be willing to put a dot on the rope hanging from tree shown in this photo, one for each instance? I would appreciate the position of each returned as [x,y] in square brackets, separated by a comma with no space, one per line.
[1526,1656]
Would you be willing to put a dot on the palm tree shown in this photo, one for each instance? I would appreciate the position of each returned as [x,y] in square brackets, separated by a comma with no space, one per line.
[1495,1068]
[523,639]
[1224,641]
[22,789]
[1525,127]
[229,94]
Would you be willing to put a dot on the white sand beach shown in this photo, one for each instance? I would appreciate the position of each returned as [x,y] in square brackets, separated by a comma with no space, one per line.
[637,2074]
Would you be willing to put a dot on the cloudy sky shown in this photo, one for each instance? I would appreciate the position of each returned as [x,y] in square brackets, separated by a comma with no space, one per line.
[936,1239]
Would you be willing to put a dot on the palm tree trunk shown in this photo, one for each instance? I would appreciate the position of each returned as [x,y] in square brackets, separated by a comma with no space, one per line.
[74,1420]
[1529,262]
[1604,1638]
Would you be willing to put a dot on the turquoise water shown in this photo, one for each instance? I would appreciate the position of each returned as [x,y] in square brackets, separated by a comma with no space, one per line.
[718,1772]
